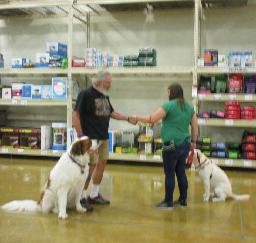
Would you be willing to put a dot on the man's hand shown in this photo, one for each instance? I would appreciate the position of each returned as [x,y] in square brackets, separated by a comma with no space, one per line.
[133,120]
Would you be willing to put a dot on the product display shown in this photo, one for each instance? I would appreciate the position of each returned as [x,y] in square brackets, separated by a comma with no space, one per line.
[59,88]
[59,133]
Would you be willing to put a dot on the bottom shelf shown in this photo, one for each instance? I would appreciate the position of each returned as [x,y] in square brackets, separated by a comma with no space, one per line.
[31,152]
[239,163]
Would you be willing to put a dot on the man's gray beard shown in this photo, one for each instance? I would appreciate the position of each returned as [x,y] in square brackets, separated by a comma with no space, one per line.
[104,91]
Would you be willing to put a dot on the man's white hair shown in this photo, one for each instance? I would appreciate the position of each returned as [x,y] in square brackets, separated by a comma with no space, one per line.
[99,77]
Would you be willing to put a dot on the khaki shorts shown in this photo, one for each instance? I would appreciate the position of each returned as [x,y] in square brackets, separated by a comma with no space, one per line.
[102,153]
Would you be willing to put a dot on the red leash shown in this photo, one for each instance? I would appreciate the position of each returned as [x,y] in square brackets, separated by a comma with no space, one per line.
[190,158]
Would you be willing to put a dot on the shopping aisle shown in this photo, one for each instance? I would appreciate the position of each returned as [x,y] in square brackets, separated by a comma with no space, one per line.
[131,216]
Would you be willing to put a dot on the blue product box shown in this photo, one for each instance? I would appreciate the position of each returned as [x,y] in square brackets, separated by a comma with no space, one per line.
[57,49]
[59,88]
[36,91]
[247,59]
[18,62]
[27,91]
[234,59]
[111,141]
[46,92]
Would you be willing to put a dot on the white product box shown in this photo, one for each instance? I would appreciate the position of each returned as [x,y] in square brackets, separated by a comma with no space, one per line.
[222,60]
[71,136]
[42,59]
[6,93]
[17,90]
[36,91]
[59,88]
[46,91]
[46,137]
[18,62]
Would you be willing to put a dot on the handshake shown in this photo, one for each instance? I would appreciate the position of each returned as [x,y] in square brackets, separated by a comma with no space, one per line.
[132,119]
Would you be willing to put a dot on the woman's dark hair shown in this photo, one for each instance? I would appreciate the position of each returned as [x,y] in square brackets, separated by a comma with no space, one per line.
[176,92]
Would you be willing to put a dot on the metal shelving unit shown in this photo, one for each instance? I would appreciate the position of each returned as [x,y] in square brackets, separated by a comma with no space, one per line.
[25,102]
[33,71]
[227,97]
[227,123]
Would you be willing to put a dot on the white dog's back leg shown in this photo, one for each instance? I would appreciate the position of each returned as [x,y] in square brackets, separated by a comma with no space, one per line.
[62,202]
[47,202]
[220,195]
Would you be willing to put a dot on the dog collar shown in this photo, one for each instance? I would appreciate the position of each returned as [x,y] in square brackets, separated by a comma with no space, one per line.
[201,165]
[82,167]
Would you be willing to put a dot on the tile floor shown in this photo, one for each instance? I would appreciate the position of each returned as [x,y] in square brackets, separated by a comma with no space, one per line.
[131,217]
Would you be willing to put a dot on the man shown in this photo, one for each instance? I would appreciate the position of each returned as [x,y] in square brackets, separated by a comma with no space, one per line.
[91,117]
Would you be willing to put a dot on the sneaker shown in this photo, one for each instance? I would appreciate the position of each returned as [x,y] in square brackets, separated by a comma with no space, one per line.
[85,204]
[164,205]
[98,200]
[180,203]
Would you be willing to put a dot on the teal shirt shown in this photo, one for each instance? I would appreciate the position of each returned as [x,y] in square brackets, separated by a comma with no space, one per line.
[175,125]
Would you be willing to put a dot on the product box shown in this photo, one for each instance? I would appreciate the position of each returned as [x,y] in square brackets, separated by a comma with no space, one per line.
[17,90]
[30,138]
[56,48]
[18,62]
[1,60]
[46,137]
[6,93]
[42,60]
[234,59]
[210,57]
[10,137]
[78,62]
[71,136]
[36,91]
[111,140]
[247,59]
[46,91]
[59,131]
[222,61]
[27,91]
[59,88]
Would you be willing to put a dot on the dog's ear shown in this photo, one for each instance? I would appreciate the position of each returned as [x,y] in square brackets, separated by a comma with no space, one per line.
[86,144]
[76,148]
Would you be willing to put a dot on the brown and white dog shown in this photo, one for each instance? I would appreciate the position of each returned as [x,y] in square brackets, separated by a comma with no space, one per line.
[65,183]
[214,179]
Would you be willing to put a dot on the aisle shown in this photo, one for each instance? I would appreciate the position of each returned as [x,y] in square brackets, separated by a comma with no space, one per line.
[131,216]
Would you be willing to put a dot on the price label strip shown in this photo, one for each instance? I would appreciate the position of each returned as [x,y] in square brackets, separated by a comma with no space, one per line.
[143,157]
[229,162]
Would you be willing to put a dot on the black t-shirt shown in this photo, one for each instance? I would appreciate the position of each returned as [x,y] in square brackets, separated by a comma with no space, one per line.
[95,110]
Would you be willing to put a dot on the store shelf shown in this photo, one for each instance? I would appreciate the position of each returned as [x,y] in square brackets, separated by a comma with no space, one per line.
[227,123]
[126,1]
[136,71]
[30,152]
[250,164]
[136,157]
[25,71]
[227,97]
[219,70]
[23,102]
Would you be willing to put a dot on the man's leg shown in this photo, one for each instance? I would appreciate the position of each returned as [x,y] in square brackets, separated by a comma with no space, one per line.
[97,175]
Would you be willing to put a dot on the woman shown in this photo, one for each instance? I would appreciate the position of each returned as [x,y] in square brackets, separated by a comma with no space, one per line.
[176,114]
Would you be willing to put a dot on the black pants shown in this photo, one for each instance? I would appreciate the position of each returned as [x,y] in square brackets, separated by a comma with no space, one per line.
[175,162]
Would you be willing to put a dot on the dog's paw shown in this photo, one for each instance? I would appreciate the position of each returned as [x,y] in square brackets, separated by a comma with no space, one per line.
[206,198]
[81,209]
[62,216]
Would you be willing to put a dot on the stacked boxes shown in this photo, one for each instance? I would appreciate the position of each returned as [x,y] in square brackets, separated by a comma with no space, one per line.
[249,145]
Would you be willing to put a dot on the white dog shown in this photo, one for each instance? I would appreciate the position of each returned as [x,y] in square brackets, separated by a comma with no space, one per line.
[215,179]
[65,183]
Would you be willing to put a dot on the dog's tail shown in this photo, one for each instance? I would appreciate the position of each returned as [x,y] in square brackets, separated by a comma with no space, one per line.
[20,206]
[239,197]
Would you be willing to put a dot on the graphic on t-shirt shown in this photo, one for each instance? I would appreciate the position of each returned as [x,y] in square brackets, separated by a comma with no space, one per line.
[102,107]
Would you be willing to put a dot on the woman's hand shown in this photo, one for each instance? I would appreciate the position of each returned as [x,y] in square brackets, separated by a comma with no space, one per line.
[133,120]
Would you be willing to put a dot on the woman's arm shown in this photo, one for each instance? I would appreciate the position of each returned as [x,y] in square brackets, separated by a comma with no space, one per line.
[156,116]
[118,116]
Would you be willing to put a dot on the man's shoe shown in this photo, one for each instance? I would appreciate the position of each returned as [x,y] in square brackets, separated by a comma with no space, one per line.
[164,205]
[98,200]
[180,203]
[85,204]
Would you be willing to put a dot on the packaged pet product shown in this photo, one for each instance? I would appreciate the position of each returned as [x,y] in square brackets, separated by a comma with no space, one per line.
[246,59]
[234,59]
[46,137]
[17,90]
[217,114]
[248,112]
[235,83]
[249,147]
[46,91]
[6,93]
[250,84]
[127,141]
[131,61]
[18,62]
[30,138]
[59,88]
[90,57]
[204,115]
[210,57]
[10,137]
[158,144]
[57,49]
[78,62]
[233,154]
[36,91]
[220,84]
[27,91]
[218,146]
[204,86]
[1,61]
[249,155]
[222,61]
[42,60]
[59,132]
[218,154]
[145,144]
